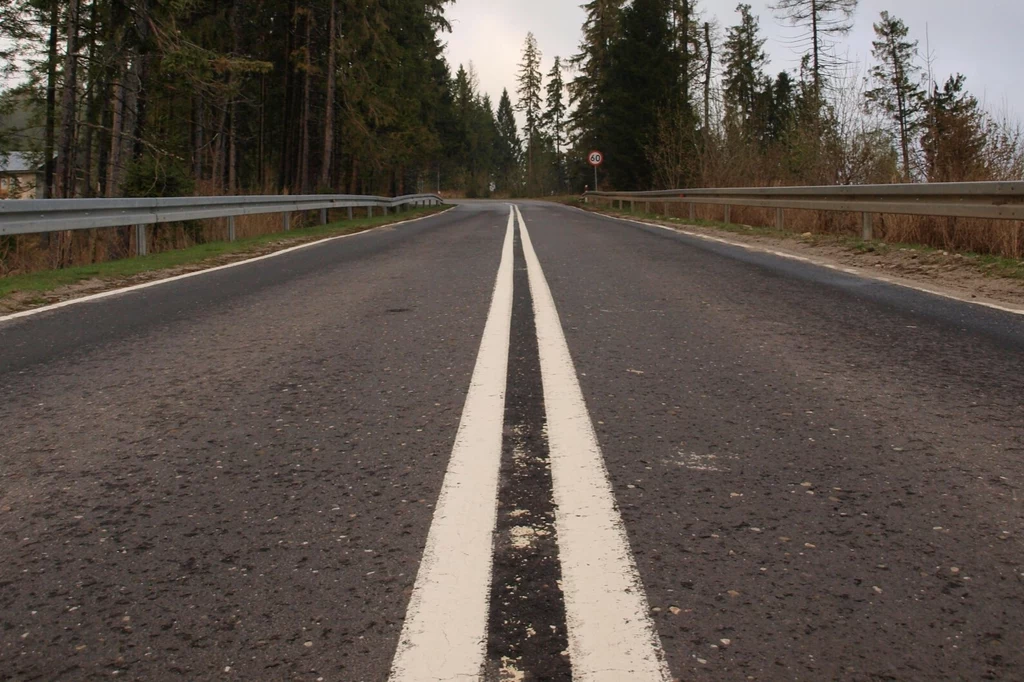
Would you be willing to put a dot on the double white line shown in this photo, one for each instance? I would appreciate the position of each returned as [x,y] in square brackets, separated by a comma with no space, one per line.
[611,636]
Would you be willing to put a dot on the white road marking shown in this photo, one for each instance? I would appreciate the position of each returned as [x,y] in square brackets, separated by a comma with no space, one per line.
[146,285]
[445,631]
[611,635]
[857,272]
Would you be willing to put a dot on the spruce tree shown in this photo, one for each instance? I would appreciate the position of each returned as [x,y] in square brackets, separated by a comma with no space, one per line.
[896,93]
[509,146]
[530,84]
[554,114]
[954,138]
[744,59]
[637,92]
[588,90]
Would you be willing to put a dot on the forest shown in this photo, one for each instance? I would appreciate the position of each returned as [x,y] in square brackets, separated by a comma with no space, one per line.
[179,97]
[115,98]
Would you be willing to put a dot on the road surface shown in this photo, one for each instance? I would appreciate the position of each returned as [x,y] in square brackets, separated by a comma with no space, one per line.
[521,443]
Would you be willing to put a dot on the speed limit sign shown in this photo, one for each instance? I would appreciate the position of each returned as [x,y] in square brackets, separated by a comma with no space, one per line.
[596,158]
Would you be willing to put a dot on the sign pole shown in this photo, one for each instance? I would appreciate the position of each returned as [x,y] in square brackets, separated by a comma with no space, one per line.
[595,158]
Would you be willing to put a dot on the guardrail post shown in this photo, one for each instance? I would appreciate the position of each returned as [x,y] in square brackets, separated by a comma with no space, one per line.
[140,240]
[632,206]
[693,211]
[867,228]
[369,211]
[728,213]
[287,221]
[323,216]
[350,213]
[385,209]
[231,228]
[647,207]
[780,219]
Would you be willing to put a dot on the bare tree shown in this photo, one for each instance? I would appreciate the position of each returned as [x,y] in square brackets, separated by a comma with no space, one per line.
[823,21]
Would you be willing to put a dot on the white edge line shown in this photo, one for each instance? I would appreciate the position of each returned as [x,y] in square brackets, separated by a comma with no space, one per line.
[444,636]
[155,282]
[611,635]
[857,272]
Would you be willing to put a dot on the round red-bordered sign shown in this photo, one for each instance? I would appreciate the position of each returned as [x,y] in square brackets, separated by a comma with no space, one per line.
[595,158]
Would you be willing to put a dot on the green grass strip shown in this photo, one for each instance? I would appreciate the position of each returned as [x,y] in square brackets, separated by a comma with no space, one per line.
[48,280]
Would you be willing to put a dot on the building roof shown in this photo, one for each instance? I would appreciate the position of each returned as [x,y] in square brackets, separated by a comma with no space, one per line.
[16,162]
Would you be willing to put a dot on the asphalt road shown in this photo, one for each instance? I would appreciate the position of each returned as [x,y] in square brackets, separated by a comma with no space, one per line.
[234,475]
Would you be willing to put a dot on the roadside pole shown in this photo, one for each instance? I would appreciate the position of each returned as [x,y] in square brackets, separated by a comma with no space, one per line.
[595,158]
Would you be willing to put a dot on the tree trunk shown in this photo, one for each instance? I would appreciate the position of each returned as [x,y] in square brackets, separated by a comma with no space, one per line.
[901,111]
[123,126]
[51,100]
[198,141]
[91,107]
[116,125]
[284,171]
[262,135]
[328,150]
[139,110]
[220,149]
[233,149]
[685,54]
[129,118]
[707,78]
[233,105]
[354,176]
[140,95]
[816,48]
[65,161]
[304,153]
[91,120]
[103,136]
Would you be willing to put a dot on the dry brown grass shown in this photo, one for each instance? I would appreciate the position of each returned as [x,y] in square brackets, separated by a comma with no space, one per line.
[991,237]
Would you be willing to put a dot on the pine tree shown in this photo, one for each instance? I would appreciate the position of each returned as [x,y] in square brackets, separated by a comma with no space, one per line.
[896,93]
[744,59]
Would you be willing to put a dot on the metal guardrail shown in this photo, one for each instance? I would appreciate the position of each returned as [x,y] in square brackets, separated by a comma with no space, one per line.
[31,216]
[986,200]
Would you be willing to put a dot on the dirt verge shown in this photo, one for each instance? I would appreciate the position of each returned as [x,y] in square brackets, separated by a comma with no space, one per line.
[961,276]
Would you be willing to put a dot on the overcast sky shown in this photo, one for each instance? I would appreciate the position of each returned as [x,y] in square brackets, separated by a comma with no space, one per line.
[980,38]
